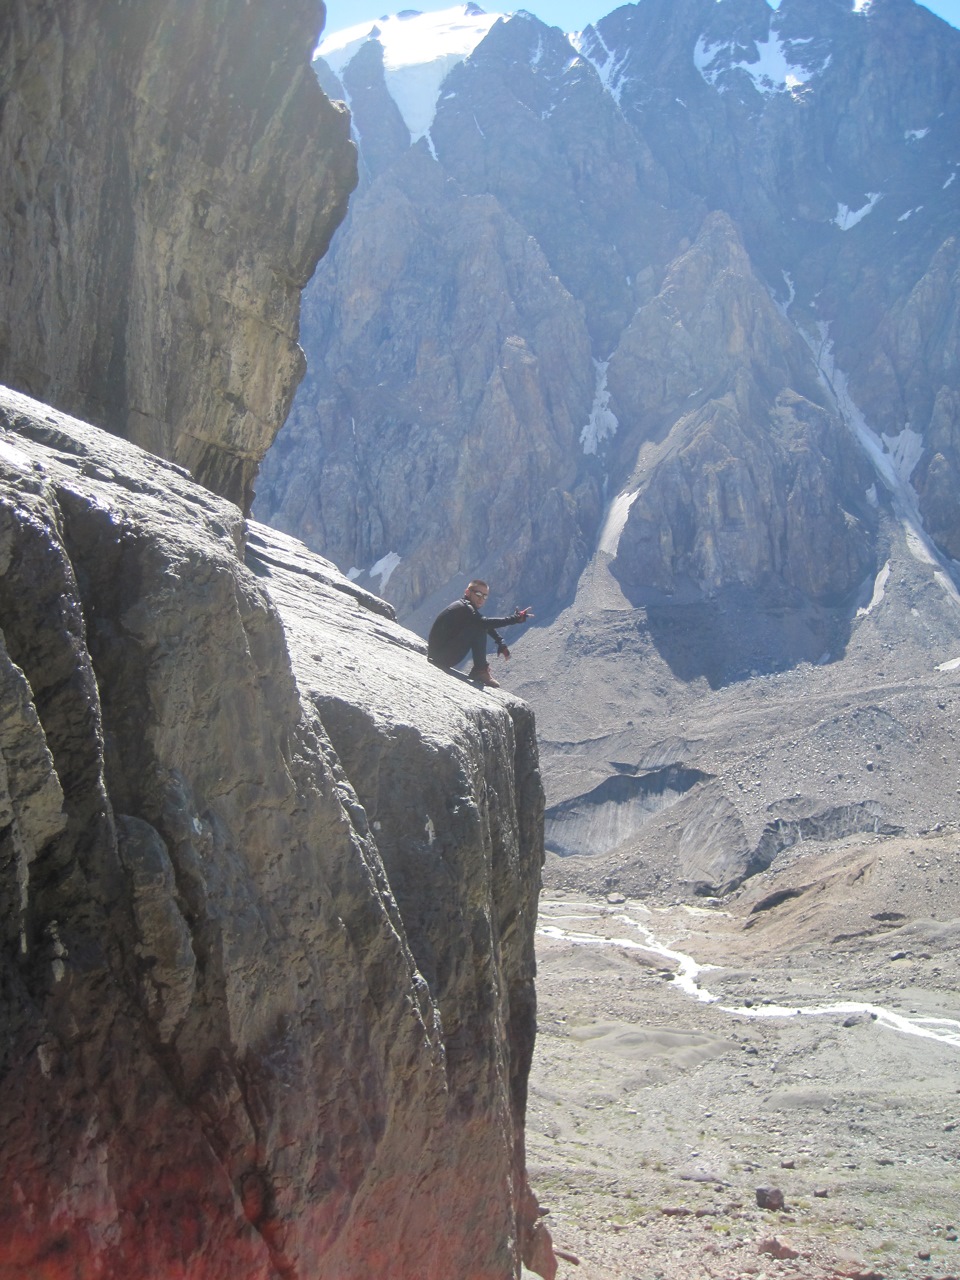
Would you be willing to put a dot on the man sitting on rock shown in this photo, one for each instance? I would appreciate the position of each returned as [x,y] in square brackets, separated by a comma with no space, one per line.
[461,629]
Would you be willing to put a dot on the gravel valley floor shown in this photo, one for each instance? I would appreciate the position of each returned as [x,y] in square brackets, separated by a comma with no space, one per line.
[801,1037]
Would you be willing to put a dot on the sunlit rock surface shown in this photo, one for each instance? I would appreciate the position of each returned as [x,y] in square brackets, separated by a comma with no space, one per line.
[269,886]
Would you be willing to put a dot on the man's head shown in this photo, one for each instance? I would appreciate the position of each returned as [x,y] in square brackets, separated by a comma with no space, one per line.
[477,592]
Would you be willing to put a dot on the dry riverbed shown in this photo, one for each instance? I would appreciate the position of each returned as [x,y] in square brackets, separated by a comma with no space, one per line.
[656,1114]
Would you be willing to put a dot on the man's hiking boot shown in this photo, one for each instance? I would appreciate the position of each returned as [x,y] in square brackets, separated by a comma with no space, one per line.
[483,676]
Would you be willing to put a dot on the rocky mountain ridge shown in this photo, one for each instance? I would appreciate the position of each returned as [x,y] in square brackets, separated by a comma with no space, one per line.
[610,156]
[723,474]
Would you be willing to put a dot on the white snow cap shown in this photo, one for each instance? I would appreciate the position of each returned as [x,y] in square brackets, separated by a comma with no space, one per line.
[419,51]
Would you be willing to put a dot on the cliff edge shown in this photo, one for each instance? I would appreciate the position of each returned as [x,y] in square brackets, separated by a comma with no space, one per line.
[269,890]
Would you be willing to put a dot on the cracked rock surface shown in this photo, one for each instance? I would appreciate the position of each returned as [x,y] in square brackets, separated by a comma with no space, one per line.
[270,887]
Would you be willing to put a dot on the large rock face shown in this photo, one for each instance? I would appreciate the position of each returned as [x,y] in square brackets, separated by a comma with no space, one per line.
[755,484]
[269,886]
[171,176]
[457,443]
[268,881]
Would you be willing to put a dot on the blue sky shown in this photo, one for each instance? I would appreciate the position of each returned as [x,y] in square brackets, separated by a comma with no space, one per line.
[570,15]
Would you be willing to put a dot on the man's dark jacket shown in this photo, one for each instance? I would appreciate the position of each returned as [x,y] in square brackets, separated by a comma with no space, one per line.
[460,628]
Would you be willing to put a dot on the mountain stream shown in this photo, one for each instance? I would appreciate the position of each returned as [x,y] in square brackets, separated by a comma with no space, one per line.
[558,917]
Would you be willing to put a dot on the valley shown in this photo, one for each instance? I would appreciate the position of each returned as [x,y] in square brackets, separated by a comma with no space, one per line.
[655,1116]
[720,858]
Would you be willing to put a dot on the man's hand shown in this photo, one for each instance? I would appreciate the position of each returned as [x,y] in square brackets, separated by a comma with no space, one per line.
[503,651]
[523,614]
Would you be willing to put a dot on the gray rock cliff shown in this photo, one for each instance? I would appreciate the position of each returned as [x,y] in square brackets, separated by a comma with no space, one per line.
[270,885]
[171,176]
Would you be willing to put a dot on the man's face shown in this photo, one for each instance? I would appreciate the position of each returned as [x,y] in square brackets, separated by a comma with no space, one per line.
[477,595]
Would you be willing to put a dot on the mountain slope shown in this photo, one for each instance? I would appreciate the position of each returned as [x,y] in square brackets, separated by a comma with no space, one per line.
[807,126]
[719,454]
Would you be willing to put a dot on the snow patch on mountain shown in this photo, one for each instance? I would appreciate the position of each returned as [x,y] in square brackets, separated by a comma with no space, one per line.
[879,588]
[774,66]
[384,568]
[608,66]
[905,451]
[614,522]
[847,218]
[419,52]
[603,421]
[894,458]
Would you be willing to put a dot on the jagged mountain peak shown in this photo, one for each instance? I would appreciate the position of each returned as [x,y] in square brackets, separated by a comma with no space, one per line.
[532,64]
[798,141]
[413,58]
